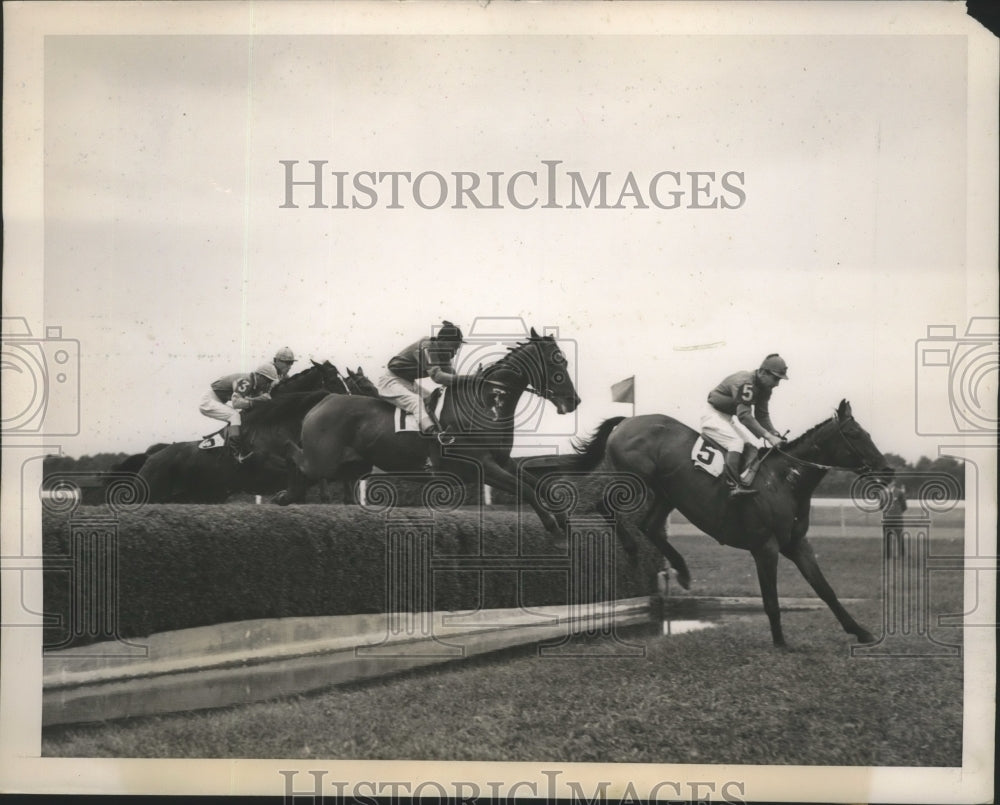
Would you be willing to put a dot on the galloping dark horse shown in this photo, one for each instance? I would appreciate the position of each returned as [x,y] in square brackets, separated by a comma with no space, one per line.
[183,473]
[775,520]
[345,437]
[359,383]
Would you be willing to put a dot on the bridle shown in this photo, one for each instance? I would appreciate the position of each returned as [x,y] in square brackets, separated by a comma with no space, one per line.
[545,393]
[865,467]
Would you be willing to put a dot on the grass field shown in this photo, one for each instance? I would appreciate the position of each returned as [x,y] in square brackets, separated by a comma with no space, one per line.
[722,695]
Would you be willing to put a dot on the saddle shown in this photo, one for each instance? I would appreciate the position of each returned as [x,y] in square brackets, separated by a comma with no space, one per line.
[708,456]
[215,440]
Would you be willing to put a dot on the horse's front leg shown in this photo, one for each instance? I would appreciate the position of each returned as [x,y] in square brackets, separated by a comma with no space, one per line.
[766,558]
[522,485]
[801,552]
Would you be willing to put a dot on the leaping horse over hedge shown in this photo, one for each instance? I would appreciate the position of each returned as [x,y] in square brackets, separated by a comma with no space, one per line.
[343,438]
[183,473]
[658,449]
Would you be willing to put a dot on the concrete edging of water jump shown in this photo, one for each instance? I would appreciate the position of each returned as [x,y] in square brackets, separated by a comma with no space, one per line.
[248,661]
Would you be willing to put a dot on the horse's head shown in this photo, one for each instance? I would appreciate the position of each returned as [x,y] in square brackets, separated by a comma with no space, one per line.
[359,383]
[318,376]
[853,448]
[330,378]
[537,364]
[556,383]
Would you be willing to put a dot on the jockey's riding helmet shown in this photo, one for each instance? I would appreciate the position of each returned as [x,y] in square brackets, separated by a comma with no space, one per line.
[285,354]
[776,365]
[267,370]
[449,333]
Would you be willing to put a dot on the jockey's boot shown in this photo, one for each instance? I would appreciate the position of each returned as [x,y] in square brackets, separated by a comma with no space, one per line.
[750,464]
[433,462]
[238,447]
[733,459]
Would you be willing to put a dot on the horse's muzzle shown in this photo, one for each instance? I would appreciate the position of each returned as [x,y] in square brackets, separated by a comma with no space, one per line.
[566,406]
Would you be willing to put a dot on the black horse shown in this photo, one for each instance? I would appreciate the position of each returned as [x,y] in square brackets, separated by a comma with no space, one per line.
[343,438]
[183,473]
[775,520]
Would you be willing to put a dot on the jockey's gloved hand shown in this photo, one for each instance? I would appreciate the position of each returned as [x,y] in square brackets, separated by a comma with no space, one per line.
[774,440]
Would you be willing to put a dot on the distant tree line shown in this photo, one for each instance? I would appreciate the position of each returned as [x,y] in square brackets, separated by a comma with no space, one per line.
[836,484]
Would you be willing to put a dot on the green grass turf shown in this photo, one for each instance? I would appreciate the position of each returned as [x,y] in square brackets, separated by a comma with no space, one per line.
[722,695]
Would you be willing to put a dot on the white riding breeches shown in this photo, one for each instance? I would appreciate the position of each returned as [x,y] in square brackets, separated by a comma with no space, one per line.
[408,395]
[212,408]
[726,430]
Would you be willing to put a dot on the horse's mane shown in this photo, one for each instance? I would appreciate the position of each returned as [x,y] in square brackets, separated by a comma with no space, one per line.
[806,434]
[510,361]
[292,380]
[278,410]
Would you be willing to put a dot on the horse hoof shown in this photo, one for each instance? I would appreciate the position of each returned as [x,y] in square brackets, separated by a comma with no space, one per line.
[684,579]
[281,499]
[866,637]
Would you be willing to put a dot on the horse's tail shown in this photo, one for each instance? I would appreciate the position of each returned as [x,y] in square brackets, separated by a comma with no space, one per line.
[590,452]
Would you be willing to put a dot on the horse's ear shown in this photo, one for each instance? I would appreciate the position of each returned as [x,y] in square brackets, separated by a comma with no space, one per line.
[534,334]
[313,362]
[360,371]
[844,411]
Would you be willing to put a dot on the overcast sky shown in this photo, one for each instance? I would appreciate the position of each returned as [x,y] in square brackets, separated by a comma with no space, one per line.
[168,255]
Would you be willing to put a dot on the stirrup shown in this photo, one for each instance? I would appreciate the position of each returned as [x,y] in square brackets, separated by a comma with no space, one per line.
[736,489]
[444,438]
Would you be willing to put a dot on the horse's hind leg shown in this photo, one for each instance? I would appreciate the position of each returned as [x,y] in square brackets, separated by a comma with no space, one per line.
[801,553]
[351,474]
[766,558]
[654,526]
[623,530]
[298,483]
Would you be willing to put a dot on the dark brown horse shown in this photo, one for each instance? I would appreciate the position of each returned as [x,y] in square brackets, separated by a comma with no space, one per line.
[183,473]
[343,438]
[775,520]
[359,383]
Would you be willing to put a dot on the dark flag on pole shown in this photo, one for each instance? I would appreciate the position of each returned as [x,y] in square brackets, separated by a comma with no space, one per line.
[624,391]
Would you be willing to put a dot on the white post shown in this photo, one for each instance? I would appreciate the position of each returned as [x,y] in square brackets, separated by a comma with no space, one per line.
[362,492]
[487,495]
[257,499]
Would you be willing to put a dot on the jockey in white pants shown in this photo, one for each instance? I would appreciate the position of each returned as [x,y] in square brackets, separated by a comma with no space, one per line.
[228,396]
[429,357]
[738,419]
